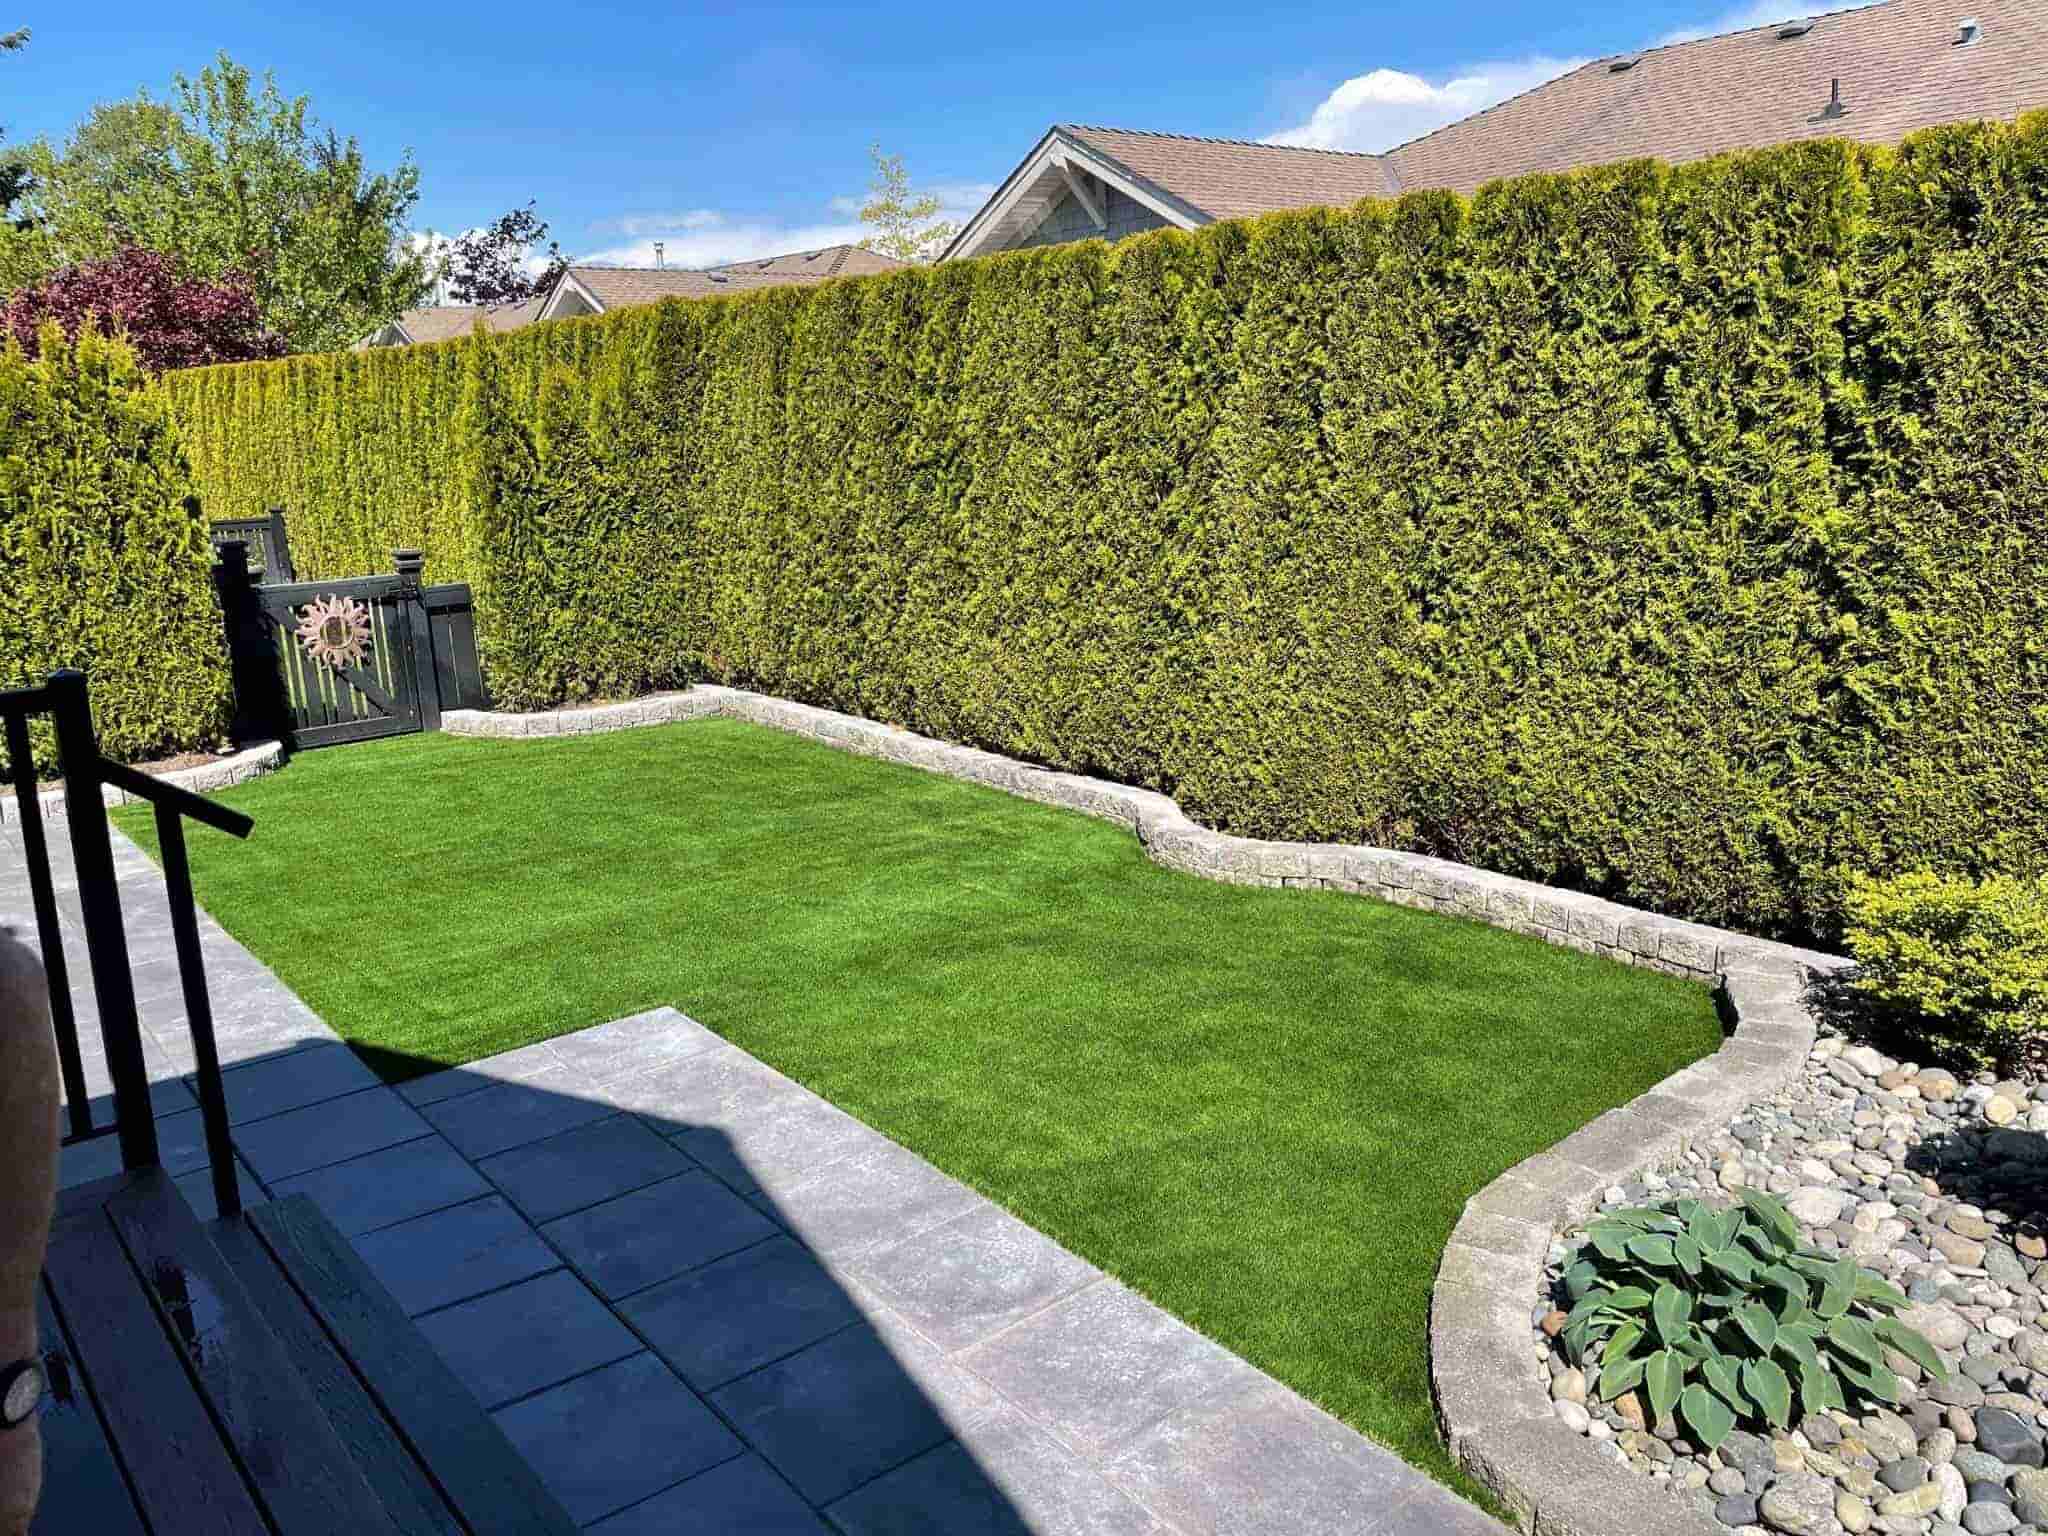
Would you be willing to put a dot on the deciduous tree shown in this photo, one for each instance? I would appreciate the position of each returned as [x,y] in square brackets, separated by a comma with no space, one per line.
[232,176]
[905,225]
[489,266]
[170,320]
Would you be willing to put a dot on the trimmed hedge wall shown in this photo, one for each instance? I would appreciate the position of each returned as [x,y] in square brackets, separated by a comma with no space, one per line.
[1681,535]
[104,557]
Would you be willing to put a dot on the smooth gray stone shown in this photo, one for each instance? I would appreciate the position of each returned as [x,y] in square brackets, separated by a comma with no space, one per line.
[581,1167]
[613,1437]
[509,1343]
[508,1115]
[1104,1365]
[657,1233]
[741,1497]
[741,1311]
[861,1201]
[274,1085]
[835,1415]
[1016,1481]
[394,1185]
[965,1280]
[334,1132]
[630,1046]
[1265,1449]
[785,1139]
[453,1254]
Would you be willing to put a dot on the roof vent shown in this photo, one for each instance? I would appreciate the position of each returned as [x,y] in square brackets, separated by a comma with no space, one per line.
[1797,28]
[1618,65]
[1834,108]
[1968,31]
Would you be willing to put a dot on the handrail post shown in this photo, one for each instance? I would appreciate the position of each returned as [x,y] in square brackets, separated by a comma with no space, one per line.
[99,897]
[28,808]
[213,1106]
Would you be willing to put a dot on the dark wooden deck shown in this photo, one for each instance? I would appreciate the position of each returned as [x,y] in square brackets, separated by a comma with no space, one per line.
[249,1377]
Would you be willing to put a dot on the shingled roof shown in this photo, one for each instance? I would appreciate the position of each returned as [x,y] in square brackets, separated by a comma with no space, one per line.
[1901,65]
[586,290]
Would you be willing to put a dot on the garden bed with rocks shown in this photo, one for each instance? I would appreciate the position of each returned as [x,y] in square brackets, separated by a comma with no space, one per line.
[1940,1186]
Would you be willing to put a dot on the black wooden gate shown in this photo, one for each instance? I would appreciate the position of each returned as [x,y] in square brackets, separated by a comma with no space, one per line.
[321,662]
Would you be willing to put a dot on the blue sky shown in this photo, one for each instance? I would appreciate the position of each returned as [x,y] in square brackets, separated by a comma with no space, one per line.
[733,131]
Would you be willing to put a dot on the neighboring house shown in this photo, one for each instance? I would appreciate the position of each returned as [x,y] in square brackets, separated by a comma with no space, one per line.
[594,290]
[1874,74]
[439,322]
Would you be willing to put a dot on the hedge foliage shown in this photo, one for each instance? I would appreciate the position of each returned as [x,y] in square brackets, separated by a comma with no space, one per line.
[1957,966]
[1677,534]
[104,556]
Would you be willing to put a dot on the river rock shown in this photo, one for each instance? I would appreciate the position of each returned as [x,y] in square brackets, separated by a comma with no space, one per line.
[2002,1433]
[1799,1504]
[2030,1496]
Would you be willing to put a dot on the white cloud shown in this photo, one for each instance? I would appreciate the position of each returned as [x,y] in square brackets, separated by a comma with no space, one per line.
[1385,107]
[1760,13]
[706,237]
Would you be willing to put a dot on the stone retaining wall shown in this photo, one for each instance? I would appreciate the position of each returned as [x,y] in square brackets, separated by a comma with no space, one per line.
[239,768]
[1492,1400]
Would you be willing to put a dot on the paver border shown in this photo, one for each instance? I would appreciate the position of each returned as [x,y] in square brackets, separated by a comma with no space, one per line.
[236,768]
[1171,838]
[1492,1403]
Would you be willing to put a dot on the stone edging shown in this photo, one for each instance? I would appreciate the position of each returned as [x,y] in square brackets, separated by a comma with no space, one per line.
[238,768]
[1491,1401]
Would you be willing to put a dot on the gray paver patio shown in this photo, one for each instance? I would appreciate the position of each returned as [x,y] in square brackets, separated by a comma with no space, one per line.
[701,1299]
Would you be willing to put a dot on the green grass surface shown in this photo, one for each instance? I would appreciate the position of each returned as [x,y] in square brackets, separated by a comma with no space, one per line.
[1262,1108]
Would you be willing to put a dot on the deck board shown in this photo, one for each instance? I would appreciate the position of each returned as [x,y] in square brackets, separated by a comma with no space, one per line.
[369,1439]
[476,1468]
[83,1486]
[173,1454]
[293,1457]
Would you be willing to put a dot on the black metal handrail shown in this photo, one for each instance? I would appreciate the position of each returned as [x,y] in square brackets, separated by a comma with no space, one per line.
[63,697]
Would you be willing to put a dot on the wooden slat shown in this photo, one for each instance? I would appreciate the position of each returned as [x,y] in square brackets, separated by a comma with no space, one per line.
[83,1198]
[476,1468]
[294,1459]
[83,1489]
[173,1454]
[370,1441]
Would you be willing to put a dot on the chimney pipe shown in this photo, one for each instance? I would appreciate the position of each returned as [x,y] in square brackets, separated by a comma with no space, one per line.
[659,247]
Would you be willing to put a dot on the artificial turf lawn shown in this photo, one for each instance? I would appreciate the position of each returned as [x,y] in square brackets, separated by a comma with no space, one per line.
[1261,1108]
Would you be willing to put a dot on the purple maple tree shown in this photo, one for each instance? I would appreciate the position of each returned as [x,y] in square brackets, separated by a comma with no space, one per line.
[171,320]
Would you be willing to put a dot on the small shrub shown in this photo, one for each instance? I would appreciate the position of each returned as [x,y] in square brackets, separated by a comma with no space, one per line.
[1959,965]
[1723,1318]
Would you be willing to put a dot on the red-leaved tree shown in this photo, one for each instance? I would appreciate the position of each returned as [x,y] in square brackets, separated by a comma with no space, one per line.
[172,321]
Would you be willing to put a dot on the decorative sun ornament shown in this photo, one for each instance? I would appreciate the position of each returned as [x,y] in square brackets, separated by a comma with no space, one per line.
[335,631]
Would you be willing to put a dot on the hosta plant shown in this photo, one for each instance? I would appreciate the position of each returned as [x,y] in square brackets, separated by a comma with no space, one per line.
[1721,1317]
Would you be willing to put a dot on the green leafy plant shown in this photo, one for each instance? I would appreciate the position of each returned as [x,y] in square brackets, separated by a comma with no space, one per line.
[1959,964]
[1721,1317]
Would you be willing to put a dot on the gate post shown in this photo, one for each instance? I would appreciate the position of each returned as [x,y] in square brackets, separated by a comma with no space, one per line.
[410,563]
[260,712]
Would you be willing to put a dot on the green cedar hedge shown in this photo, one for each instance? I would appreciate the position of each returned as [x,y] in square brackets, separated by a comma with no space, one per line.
[1673,534]
[104,557]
